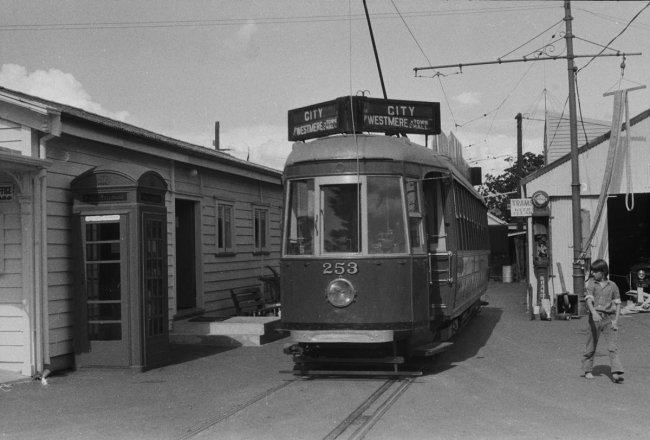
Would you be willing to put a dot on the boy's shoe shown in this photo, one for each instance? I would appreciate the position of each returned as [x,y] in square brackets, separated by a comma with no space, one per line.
[588,375]
[617,378]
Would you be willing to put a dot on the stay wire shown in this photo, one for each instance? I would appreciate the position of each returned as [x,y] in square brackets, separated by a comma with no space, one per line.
[410,32]
[612,40]
[536,36]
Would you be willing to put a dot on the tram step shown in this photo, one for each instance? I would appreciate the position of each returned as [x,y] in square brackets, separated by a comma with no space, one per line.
[431,349]
[357,361]
[307,372]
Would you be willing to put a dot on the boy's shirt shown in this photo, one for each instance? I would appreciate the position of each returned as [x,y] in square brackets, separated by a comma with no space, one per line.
[604,294]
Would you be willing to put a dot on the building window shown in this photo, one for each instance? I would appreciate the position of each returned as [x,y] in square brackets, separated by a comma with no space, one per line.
[261,226]
[225,228]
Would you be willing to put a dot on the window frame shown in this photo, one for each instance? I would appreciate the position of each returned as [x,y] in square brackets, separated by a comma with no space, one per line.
[262,248]
[224,250]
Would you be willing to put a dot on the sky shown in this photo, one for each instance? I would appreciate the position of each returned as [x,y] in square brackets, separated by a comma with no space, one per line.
[176,66]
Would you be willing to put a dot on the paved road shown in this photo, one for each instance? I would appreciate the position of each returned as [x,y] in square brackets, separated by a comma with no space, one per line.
[506,377]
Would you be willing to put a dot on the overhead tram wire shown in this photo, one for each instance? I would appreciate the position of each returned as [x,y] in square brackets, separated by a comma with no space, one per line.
[140,24]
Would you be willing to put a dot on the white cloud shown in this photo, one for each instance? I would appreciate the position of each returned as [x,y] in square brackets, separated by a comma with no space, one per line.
[265,145]
[242,41]
[53,85]
[468,98]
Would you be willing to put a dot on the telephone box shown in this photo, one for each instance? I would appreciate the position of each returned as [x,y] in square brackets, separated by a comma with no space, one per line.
[120,240]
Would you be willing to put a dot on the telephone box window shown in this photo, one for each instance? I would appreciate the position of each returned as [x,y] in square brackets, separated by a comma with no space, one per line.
[103,265]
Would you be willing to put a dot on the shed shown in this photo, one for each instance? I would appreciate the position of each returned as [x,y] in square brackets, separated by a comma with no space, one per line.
[220,226]
[618,237]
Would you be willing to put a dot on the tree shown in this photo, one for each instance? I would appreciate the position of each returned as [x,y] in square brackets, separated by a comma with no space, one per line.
[498,190]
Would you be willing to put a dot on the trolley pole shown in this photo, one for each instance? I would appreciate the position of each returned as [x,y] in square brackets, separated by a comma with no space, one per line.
[374,48]
[578,271]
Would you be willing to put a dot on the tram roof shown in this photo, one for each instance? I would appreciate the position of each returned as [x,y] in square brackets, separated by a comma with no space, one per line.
[367,147]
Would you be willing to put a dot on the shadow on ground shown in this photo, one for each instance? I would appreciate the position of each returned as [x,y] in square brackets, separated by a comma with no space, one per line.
[467,342]
[182,353]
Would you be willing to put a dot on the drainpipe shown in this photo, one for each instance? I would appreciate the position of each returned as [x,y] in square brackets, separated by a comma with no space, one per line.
[40,266]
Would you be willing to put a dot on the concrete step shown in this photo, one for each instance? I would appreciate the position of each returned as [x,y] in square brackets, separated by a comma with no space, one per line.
[229,332]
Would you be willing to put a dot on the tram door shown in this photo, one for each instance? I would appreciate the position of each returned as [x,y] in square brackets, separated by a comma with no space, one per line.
[440,257]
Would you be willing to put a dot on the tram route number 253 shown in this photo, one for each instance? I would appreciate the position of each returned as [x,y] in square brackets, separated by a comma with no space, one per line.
[340,268]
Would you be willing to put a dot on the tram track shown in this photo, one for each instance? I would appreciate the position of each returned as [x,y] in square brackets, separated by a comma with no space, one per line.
[355,426]
[197,429]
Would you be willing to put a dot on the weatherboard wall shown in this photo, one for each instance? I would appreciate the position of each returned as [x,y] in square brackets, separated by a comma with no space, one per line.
[72,156]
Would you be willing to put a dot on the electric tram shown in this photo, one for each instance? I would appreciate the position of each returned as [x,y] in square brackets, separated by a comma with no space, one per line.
[385,242]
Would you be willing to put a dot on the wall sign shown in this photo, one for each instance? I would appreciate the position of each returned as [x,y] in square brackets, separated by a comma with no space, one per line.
[521,207]
[6,193]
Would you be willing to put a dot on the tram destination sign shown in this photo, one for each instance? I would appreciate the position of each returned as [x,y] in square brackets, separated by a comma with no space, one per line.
[363,114]
[316,120]
[394,116]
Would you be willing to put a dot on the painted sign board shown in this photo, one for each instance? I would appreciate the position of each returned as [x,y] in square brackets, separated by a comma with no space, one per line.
[6,193]
[362,114]
[395,116]
[521,207]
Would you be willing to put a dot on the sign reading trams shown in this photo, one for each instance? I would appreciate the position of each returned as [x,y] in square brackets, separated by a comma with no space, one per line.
[347,114]
[521,207]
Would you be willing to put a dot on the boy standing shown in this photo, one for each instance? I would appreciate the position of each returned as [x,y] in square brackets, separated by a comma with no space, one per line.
[604,304]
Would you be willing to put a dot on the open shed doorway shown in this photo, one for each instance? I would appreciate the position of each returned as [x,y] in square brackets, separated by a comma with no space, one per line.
[629,236]
[185,256]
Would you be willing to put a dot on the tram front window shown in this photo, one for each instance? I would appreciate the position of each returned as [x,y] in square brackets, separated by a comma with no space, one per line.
[300,220]
[386,232]
[341,217]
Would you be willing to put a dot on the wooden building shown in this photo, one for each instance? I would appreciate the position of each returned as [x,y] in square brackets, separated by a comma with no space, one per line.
[620,233]
[108,232]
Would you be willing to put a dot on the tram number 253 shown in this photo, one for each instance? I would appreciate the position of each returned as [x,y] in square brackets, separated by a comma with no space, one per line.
[340,268]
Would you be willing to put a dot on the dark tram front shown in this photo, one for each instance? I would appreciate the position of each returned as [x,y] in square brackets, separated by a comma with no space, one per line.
[384,247]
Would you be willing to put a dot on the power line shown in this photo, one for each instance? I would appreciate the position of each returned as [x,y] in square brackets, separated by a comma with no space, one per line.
[145,24]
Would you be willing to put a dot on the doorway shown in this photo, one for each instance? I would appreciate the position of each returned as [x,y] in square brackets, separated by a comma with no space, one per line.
[106,309]
[629,241]
[185,254]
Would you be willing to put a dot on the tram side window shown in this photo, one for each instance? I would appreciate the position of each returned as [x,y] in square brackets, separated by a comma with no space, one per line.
[300,218]
[341,217]
[386,232]
[413,205]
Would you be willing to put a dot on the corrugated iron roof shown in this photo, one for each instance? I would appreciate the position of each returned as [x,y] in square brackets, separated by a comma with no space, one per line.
[593,143]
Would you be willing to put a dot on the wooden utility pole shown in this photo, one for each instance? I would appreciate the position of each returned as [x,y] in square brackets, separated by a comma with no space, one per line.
[578,270]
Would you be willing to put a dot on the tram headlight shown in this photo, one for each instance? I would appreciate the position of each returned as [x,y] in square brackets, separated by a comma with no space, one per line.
[641,274]
[340,293]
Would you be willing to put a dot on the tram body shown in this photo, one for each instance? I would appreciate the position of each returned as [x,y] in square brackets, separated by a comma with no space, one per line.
[385,244]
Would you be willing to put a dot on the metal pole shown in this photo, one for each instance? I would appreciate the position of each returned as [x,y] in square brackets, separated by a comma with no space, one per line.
[524,60]
[578,273]
[374,48]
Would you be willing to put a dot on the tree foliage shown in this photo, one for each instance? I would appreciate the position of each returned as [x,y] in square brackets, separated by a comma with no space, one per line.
[498,190]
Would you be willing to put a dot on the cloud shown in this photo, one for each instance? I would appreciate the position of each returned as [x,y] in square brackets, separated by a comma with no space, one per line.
[468,98]
[263,144]
[54,85]
[242,41]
